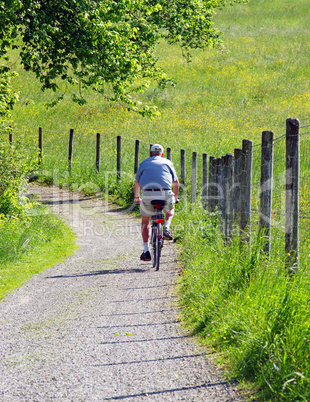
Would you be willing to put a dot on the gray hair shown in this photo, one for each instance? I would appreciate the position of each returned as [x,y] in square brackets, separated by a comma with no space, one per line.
[154,153]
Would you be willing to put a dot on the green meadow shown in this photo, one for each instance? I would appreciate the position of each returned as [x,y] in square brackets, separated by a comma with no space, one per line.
[241,305]
[258,79]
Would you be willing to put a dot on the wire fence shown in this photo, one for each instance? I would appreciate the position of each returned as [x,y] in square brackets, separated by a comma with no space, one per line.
[258,190]
[289,223]
[304,204]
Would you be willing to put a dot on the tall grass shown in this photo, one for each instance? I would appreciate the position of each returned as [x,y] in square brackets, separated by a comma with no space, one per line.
[30,244]
[247,309]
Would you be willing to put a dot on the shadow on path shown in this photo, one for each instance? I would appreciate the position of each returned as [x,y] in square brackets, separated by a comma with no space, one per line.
[102,272]
[146,340]
[148,361]
[205,385]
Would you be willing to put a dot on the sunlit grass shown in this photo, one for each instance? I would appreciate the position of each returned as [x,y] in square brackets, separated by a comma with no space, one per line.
[254,83]
[29,245]
[246,308]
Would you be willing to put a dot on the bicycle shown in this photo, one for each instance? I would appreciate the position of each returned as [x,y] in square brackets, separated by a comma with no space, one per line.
[157,237]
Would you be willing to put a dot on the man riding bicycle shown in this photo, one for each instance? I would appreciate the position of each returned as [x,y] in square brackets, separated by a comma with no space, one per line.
[155,176]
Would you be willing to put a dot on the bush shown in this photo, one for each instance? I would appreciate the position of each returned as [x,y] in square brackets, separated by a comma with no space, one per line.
[14,167]
[7,96]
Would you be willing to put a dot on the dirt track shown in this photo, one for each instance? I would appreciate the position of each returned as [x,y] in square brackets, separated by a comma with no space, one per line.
[102,325]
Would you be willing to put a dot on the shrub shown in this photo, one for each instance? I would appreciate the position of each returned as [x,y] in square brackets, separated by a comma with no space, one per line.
[14,167]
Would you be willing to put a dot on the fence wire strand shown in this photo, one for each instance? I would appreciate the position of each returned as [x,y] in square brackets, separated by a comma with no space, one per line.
[278,222]
[278,199]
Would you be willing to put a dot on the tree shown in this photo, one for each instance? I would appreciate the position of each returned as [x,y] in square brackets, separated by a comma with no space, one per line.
[104,44]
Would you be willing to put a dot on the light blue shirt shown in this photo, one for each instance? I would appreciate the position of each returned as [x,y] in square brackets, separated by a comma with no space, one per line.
[156,172]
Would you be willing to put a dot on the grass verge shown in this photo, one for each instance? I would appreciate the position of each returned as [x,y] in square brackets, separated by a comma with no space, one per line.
[29,246]
[246,308]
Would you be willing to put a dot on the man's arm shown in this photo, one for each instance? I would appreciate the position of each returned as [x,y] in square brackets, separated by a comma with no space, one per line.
[137,191]
[175,187]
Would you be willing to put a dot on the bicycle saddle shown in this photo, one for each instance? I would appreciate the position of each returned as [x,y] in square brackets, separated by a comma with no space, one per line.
[159,204]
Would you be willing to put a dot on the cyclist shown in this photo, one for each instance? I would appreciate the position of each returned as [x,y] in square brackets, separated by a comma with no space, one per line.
[155,176]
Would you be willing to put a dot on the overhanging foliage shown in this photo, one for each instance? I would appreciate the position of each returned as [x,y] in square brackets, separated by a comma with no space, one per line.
[104,44]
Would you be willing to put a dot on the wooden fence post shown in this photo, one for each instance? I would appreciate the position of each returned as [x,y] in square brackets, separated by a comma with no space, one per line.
[217,189]
[211,186]
[266,188]
[118,157]
[237,184]
[204,180]
[194,178]
[292,193]
[221,192]
[136,156]
[70,149]
[182,178]
[98,152]
[246,189]
[169,154]
[40,145]
[229,174]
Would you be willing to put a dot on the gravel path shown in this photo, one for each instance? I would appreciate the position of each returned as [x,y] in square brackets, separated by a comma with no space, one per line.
[102,325]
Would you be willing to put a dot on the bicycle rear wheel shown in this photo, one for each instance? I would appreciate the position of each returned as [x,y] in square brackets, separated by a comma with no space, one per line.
[154,236]
[158,245]
[156,254]
[156,242]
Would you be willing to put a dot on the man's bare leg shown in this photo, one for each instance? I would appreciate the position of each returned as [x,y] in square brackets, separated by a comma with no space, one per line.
[169,216]
[167,231]
[145,225]
[145,236]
